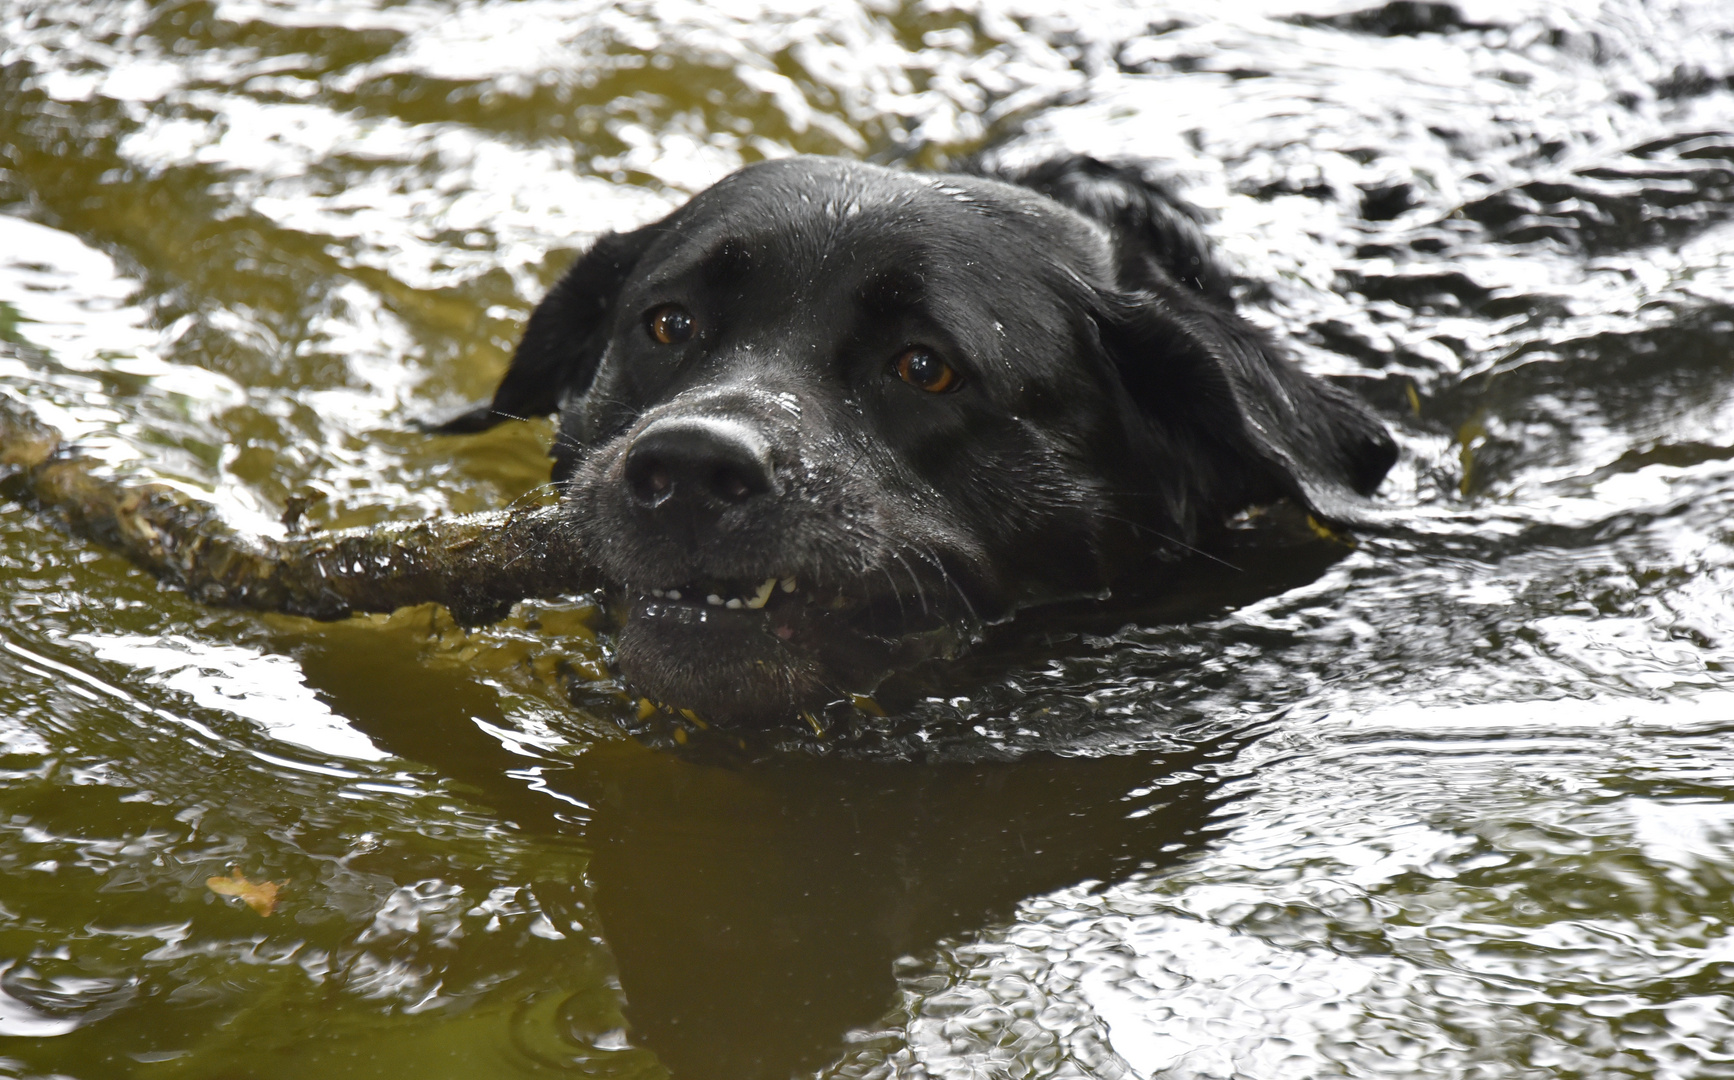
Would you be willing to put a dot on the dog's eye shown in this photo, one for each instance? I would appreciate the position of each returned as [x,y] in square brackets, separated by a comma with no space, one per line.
[669,324]
[923,370]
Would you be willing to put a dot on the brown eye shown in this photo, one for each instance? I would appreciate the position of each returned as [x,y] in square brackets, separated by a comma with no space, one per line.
[923,370]
[669,324]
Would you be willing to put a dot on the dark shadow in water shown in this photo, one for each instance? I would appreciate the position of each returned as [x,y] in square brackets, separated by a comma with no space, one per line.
[756,912]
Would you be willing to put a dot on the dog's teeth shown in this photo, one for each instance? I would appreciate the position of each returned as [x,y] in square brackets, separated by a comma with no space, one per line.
[658,593]
[713,598]
[674,594]
[763,596]
[788,584]
[734,602]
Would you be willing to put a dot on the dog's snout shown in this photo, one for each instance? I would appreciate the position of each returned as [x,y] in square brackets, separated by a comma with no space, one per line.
[698,461]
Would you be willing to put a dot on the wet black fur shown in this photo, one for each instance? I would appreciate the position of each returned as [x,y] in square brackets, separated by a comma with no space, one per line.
[1112,411]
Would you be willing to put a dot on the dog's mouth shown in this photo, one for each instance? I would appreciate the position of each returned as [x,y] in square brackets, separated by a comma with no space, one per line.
[785,608]
[773,594]
[766,648]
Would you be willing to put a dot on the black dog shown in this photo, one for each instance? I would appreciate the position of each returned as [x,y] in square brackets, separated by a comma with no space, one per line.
[830,418]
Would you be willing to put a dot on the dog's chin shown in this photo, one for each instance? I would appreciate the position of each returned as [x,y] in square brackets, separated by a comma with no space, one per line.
[764,663]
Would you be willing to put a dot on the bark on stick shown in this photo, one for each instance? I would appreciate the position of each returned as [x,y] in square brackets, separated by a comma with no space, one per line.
[477,565]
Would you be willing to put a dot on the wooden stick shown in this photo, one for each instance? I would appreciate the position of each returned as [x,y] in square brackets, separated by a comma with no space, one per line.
[477,565]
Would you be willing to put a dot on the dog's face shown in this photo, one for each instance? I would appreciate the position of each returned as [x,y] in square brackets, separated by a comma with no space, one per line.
[829,418]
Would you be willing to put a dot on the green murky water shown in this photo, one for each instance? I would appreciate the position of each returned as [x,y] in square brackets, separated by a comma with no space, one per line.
[1458,806]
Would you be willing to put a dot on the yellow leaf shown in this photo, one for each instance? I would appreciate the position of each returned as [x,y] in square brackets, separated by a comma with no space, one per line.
[1325,532]
[261,896]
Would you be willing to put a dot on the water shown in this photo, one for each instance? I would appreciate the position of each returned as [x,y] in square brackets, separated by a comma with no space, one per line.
[1453,802]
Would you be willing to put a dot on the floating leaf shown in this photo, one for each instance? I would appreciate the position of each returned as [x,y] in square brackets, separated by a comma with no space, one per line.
[261,896]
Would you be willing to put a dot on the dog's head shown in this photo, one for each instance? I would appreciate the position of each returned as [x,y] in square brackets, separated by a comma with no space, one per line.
[828,418]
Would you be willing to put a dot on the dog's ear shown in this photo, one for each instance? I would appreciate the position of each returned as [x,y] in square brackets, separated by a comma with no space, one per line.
[1193,365]
[1156,232]
[564,339]
[1201,371]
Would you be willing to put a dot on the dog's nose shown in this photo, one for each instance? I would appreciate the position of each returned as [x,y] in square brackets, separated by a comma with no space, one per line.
[698,461]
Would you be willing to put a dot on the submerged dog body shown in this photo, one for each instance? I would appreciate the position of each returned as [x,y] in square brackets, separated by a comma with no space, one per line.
[830,418]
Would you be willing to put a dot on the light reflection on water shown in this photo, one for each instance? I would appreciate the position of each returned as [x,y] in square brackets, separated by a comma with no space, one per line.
[268,690]
[1418,891]
[1453,806]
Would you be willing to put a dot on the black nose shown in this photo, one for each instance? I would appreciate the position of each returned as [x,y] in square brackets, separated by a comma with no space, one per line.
[698,461]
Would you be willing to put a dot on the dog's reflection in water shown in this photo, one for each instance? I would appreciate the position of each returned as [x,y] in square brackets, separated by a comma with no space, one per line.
[758,915]
[756,911]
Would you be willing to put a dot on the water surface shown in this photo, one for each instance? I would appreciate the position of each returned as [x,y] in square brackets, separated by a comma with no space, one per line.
[1453,801]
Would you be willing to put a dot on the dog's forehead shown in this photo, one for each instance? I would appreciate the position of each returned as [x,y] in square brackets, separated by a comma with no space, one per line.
[811,214]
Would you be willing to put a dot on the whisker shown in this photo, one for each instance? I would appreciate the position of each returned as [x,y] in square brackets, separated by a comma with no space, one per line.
[902,616]
[532,493]
[914,579]
[866,448]
[1139,525]
[945,575]
[1175,540]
